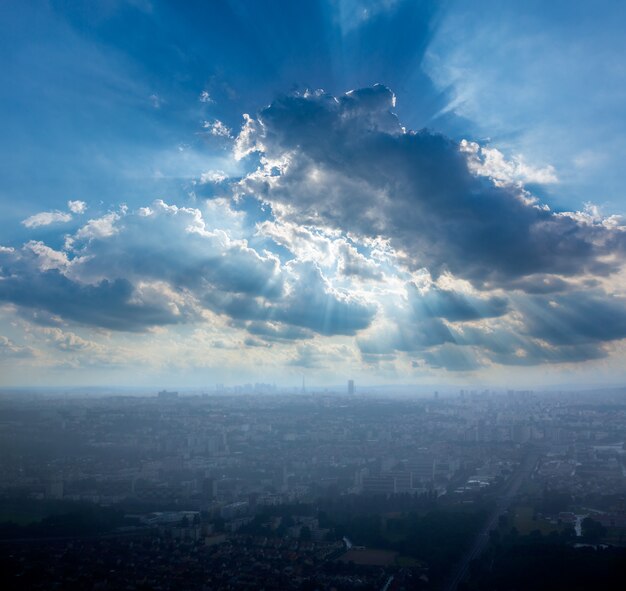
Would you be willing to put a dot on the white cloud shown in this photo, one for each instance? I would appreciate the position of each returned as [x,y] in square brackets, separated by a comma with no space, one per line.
[591,215]
[77,206]
[47,258]
[217,128]
[102,227]
[213,176]
[205,97]
[45,218]
[491,163]
[9,349]
[248,139]
[69,341]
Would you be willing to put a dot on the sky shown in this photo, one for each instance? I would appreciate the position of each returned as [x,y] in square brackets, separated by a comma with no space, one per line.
[390,191]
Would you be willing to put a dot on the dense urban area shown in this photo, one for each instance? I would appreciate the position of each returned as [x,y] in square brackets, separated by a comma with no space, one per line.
[258,489]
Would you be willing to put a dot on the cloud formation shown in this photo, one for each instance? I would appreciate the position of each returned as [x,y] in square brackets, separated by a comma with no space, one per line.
[348,238]
[347,163]
[11,350]
[162,265]
[77,206]
[45,218]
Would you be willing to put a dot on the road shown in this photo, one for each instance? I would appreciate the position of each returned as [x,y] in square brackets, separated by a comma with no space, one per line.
[523,471]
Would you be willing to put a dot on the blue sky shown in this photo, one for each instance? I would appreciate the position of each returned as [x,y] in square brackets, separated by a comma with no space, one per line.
[151,233]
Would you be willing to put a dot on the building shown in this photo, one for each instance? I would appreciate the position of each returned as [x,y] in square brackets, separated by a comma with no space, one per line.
[165,395]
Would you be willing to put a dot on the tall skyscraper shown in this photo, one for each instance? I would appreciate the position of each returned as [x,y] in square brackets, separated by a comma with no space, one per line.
[350,387]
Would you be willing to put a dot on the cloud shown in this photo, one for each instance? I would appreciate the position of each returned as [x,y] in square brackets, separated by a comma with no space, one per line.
[307,356]
[491,163]
[353,264]
[345,225]
[10,350]
[205,97]
[102,227]
[277,332]
[70,342]
[427,317]
[46,258]
[346,163]
[307,301]
[453,330]
[575,318]
[450,357]
[312,303]
[251,342]
[213,176]
[45,218]
[163,265]
[512,345]
[453,305]
[327,250]
[217,128]
[108,304]
[77,206]
[311,356]
[540,283]
[156,101]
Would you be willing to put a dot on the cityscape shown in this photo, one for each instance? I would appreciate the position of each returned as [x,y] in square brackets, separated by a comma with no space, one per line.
[263,489]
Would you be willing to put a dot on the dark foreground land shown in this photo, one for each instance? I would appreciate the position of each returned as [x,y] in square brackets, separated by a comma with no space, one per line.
[476,492]
[414,548]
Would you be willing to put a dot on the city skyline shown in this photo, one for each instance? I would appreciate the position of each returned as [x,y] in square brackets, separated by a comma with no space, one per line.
[390,192]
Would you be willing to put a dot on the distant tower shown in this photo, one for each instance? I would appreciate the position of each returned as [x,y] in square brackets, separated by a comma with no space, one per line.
[351,387]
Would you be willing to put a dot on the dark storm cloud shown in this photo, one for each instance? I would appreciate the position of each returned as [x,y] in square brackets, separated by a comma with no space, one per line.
[506,346]
[575,318]
[406,334]
[455,306]
[312,304]
[563,328]
[535,354]
[350,165]
[107,304]
[539,284]
[309,304]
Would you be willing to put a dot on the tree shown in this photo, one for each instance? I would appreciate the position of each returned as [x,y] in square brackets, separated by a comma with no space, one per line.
[593,531]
